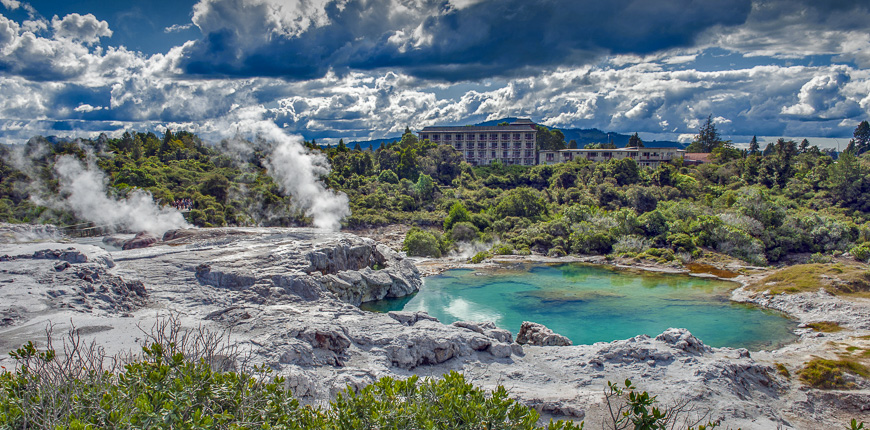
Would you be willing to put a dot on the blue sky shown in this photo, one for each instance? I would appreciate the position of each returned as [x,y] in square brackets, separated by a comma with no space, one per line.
[354,69]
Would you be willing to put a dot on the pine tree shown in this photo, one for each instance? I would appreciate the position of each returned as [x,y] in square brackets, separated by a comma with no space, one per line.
[634,142]
[753,145]
[862,138]
[804,146]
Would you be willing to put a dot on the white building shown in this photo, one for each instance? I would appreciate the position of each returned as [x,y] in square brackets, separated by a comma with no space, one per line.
[508,144]
[645,157]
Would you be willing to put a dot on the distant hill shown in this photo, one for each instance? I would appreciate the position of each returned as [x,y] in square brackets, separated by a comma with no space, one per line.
[581,135]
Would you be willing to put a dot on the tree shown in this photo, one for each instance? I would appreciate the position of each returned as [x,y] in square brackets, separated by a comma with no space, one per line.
[804,146]
[547,139]
[572,144]
[634,142]
[706,139]
[341,146]
[458,213]
[356,147]
[861,141]
[521,202]
[753,145]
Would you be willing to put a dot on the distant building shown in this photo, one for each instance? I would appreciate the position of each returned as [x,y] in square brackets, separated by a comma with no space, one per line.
[508,144]
[644,157]
[697,158]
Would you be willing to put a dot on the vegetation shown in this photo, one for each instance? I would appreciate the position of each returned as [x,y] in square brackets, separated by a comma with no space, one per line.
[825,326]
[829,374]
[188,380]
[755,206]
[839,278]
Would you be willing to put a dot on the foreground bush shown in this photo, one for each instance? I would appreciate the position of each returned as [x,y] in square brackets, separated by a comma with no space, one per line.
[164,389]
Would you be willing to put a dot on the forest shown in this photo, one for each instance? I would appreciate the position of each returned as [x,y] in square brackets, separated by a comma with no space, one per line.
[759,206]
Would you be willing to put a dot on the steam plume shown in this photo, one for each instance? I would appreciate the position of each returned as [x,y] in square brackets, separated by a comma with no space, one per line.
[85,194]
[297,171]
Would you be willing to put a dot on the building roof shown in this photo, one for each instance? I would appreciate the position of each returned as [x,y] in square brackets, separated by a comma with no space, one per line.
[697,157]
[521,124]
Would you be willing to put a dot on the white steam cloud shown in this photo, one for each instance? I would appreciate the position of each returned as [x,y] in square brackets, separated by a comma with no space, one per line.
[84,190]
[297,171]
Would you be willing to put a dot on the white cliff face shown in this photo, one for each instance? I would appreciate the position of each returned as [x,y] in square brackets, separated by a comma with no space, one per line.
[291,296]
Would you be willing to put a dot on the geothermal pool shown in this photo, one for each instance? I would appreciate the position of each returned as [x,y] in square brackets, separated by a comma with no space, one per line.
[591,304]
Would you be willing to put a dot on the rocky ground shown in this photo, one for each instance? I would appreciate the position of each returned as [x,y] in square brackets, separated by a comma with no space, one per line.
[290,298]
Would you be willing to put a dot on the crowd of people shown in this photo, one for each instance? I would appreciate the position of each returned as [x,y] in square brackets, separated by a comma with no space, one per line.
[183,204]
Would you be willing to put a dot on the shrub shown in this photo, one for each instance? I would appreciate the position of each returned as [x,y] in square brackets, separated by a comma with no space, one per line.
[464,232]
[861,252]
[479,257]
[828,374]
[503,249]
[556,251]
[388,177]
[458,213]
[419,243]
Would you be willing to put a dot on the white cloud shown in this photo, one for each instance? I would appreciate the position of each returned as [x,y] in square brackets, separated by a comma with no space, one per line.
[88,108]
[83,28]
[11,4]
[177,27]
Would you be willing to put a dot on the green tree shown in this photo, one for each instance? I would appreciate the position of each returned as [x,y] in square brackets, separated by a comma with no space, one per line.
[861,140]
[521,202]
[458,213]
[753,145]
[706,139]
[634,142]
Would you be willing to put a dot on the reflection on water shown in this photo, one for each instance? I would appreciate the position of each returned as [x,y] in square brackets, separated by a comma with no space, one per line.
[593,304]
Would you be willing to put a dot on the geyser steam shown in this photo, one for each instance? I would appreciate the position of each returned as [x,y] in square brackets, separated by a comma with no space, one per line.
[297,171]
[85,194]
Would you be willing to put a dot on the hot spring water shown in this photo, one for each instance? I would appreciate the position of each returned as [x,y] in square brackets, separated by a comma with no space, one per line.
[591,304]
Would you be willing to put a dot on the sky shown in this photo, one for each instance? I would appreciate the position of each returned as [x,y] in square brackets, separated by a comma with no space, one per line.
[366,69]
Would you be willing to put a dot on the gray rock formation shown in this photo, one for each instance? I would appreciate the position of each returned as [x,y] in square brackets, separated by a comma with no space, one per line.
[289,297]
[539,335]
[142,240]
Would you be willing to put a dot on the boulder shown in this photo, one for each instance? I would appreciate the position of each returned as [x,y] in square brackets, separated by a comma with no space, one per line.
[142,240]
[680,338]
[539,335]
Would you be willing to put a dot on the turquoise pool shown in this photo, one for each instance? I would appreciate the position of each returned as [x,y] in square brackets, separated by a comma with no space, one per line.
[593,304]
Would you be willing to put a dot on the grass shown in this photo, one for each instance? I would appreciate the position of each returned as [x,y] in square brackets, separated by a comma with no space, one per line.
[829,374]
[825,326]
[836,278]
[713,270]
[783,370]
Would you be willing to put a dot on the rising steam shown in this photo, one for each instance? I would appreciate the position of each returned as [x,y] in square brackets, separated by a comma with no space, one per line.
[84,192]
[297,171]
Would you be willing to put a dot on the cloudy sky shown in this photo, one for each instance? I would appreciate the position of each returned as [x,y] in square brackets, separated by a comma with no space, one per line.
[361,69]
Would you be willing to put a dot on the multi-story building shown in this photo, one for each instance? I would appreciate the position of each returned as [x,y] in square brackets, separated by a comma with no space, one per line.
[508,144]
[645,157]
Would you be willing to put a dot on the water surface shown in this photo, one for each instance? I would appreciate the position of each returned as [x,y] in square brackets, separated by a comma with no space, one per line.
[591,304]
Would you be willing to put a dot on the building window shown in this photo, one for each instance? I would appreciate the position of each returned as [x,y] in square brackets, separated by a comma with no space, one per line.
[550,157]
[481,145]
[606,154]
[516,136]
[470,136]
[516,145]
[494,145]
[505,136]
[504,145]
[529,145]
[424,136]
[447,137]
[593,154]
[528,153]
[529,136]
[481,154]
[493,154]
[493,136]
[646,154]
[458,137]
[504,154]
[435,137]
[458,146]
[482,136]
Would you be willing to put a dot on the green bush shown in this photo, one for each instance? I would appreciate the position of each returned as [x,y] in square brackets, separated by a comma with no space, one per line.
[861,252]
[464,232]
[479,257]
[419,243]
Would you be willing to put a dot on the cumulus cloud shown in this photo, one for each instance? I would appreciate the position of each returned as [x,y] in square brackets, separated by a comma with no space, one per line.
[84,28]
[438,39]
[11,4]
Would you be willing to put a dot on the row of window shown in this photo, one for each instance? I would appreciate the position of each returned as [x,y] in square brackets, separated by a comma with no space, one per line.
[504,154]
[470,136]
[494,145]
